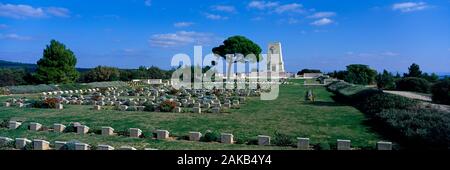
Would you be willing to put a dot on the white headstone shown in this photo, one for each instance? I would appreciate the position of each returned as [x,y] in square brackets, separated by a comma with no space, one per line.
[303,143]
[162,134]
[263,140]
[343,144]
[227,138]
[195,136]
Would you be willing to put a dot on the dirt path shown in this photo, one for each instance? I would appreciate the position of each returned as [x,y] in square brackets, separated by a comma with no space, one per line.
[411,95]
[423,97]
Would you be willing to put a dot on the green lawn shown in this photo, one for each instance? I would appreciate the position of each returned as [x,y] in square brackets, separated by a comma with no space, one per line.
[323,122]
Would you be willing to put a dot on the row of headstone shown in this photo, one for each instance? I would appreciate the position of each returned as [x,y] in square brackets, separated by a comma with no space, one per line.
[303,143]
[38,144]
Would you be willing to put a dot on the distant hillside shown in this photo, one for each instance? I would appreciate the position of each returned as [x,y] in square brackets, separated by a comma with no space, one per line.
[9,64]
[26,66]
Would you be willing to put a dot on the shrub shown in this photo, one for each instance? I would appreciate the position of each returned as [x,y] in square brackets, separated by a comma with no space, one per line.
[149,107]
[353,94]
[8,145]
[51,102]
[335,86]
[283,140]
[441,92]
[380,102]
[421,128]
[4,124]
[73,86]
[413,84]
[31,89]
[385,80]
[167,106]
[322,146]
[252,141]
[107,84]
[70,128]
[4,91]
[210,136]
[37,104]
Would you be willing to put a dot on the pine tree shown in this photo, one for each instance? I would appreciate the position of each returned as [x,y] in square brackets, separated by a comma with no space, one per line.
[57,65]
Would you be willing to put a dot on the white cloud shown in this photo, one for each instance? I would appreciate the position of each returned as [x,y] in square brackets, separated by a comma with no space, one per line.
[148,2]
[215,17]
[294,7]
[14,37]
[181,38]
[257,18]
[59,12]
[224,8]
[410,6]
[21,11]
[261,5]
[390,53]
[293,21]
[322,15]
[322,22]
[183,24]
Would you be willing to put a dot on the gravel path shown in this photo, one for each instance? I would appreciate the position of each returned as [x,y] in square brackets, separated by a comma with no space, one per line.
[426,98]
[411,95]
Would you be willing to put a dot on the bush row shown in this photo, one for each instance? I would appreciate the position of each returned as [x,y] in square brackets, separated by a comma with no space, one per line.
[397,116]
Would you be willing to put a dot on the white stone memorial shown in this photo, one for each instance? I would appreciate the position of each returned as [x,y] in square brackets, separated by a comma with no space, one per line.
[58,127]
[22,142]
[107,131]
[82,129]
[81,146]
[195,136]
[303,143]
[135,132]
[14,124]
[226,138]
[263,140]
[162,134]
[343,144]
[35,126]
[41,144]
[384,145]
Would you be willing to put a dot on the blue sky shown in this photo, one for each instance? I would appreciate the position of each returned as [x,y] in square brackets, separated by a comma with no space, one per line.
[323,34]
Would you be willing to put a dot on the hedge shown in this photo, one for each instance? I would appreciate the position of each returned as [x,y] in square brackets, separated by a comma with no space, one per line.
[31,89]
[421,128]
[441,92]
[413,84]
[397,116]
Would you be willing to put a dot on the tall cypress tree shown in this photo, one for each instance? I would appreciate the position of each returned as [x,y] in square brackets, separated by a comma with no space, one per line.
[57,65]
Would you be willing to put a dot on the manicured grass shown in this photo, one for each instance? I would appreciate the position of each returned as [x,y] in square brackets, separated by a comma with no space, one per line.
[323,121]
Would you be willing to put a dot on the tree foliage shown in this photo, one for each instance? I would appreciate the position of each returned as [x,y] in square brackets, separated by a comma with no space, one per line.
[385,80]
[101,73]
[413,84]
[57,65]
[301,72]
[237,49]
[414,71]
[441,92]
[12,77]
[360,74]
